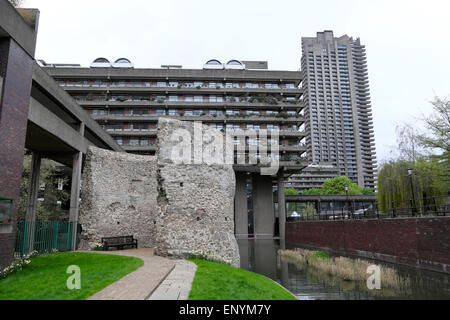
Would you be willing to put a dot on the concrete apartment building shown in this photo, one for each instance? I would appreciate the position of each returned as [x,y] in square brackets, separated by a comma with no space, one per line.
[337,108]
[127,102]
[312,177]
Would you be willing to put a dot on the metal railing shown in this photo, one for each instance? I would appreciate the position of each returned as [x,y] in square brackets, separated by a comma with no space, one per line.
[436,206]
[43,237]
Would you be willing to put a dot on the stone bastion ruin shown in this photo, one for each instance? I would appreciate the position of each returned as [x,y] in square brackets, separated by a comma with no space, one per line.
[176,207]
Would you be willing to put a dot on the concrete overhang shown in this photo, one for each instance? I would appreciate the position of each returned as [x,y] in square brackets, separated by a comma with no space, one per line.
[48,98]
[176,74]
[19,24]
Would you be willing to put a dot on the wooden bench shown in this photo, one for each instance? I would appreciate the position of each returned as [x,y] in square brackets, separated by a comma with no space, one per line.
[119,242]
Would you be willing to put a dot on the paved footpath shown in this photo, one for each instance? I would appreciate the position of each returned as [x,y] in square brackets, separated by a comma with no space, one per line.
[178,283]
[140,284]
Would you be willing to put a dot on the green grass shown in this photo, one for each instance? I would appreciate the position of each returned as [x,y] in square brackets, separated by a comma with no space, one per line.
[45,277]
[215,281]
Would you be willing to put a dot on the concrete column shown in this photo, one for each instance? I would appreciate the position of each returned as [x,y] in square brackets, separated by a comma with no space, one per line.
[281,205]
[263,210]
[241,207]
[266,258]
[75,196]
[33,189]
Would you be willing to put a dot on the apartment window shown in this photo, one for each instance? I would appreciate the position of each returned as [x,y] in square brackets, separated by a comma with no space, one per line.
[173,98]
[198,98]
[161,84]
[134,142]
[173,84]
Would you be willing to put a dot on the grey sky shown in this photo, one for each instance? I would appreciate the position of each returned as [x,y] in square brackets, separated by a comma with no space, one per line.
[407,41]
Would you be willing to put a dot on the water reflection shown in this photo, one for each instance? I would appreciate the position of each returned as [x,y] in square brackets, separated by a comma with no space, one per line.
[261,256]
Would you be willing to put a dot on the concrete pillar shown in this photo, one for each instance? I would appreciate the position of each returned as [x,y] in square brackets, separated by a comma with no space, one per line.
[281,205]
[245,247]
[266,258]
[75,196]
[263,208]
[33,189]
[241,207]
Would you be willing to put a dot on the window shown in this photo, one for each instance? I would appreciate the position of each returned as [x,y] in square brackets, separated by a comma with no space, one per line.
[161,84]
[134,142]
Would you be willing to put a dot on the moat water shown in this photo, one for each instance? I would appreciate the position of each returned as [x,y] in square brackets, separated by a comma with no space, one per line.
[261,256]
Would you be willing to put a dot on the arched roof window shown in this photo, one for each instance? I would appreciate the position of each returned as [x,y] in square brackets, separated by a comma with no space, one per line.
[213,62]
[234,63]
[101,60]
[123,60]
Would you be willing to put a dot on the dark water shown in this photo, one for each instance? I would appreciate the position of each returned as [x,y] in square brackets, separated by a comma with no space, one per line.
[260,256]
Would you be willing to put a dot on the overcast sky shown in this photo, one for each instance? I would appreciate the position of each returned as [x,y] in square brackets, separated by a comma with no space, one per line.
[407,41]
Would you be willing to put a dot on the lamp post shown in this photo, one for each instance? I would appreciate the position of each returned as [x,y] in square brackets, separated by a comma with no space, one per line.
[348,204]
[414,211]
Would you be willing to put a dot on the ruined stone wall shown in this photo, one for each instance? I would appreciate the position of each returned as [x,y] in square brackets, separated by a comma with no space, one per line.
[178,207]
[119,197]
[198,206]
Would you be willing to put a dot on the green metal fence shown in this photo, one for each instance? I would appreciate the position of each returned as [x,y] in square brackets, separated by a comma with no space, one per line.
[43,237]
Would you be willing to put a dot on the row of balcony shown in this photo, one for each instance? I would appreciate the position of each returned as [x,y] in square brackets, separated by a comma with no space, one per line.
[293,92]
[153,133]
[175,84]
[204,118]
[288,105]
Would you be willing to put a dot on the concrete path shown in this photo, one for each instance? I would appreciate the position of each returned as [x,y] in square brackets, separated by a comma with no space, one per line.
[178,283]
[139,284]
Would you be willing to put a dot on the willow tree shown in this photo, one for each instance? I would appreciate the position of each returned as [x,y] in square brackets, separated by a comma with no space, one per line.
[396,187]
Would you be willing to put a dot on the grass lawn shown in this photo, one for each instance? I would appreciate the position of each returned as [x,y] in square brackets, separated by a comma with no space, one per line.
[45,277]
[215,281]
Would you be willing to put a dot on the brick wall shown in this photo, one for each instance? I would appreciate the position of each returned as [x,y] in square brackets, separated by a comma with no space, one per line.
[422,242]
[16,71]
